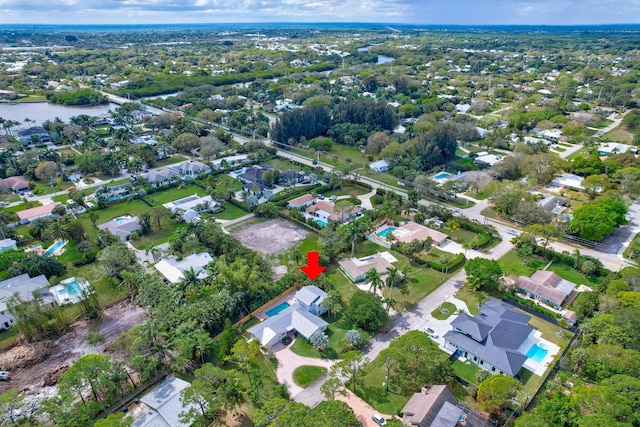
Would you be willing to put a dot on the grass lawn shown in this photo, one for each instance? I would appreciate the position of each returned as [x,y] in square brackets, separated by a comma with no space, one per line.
[511,263]
[174,193]
[169,161]
[105,290]
[577,301]
[337,329]
[444,311]
[9,196]
[465,370]
[157,237]
[8,337]
[469,298]
[62,198]
[21,207]
[571,274]
[226,183]
[46,188]
[370,388]
[461,235]
[618,134]
[302,348]
[231,212]
[348,190]
[580,153]
[304,376]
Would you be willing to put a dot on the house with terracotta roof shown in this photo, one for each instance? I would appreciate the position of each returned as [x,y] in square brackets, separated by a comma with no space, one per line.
[38,212]
[546,287]
[301,202]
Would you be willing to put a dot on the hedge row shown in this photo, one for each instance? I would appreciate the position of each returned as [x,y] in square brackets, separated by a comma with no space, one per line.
[241,205]
[293,193]
[512,295]
[455,263]
[283,214]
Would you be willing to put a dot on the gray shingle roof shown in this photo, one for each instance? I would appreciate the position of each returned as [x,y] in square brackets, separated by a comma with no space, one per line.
[294,317]
[311,294]
[25,286]
[164,402]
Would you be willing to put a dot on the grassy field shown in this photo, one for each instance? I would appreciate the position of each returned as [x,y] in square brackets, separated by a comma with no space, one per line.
[226,183]
[337,329]
[43,188]
[230,212]
[469,298]
[304,376]
[618,134]
[465,370]
[370,389]
[169,161]
[580,153]
[461,235]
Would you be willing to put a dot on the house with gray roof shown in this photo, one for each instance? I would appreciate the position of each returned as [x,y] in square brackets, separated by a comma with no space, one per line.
[122,227]
[36,134]
[163,405]
[555,205]
[311,297]
[436,406]
[546,287]
[185,171]
[294,318]
[26,287]
[8,244]
[492,338]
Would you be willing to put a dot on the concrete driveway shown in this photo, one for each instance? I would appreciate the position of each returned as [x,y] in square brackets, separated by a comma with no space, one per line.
[288,361]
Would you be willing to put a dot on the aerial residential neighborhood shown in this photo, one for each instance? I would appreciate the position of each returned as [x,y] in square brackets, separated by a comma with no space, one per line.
[318,224]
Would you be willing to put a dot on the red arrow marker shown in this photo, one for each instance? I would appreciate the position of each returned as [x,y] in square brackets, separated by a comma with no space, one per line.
[313,268]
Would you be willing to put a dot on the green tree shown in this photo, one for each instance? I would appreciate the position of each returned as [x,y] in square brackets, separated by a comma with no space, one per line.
[375,279]
[483,272]
[595,221]
[205,397]
[115,259]
[114,420]
[350,367]
[495,392]
[365,310]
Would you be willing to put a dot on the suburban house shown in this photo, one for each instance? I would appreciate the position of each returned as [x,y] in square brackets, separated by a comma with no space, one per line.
[404,233]
[379,166]
[568,180]
[16,184]
[301,202]
[39,212]
[173,270]
[35,134]
[25,287]
[484,157]
[491,339]
[555,205]
[163,405]
[185,171]
[122,227]
[546,287]
[189,207]
[325,211]
[252,178]
[609,148]
[356,269]
[230,161]
[8,244]
[295,318]
[112,194]
[436,406]
[311,297]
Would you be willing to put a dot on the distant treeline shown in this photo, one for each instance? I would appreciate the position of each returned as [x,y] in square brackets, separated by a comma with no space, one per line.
[160,84]
[77,97]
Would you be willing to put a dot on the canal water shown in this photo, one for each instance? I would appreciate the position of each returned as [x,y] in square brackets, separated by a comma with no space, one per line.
[43,111]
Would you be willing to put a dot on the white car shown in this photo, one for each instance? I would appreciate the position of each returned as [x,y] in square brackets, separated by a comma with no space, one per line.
[431,333]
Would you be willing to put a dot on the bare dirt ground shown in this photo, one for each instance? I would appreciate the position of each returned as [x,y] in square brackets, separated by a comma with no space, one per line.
[31,364]
[271,237]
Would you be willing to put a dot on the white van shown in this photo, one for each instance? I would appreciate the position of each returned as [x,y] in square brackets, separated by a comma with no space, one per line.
[378,419]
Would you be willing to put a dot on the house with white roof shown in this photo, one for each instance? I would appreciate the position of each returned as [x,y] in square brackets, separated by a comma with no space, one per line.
[230,161]
[173,270]
[122,227]
[609,148]
[379,166]
[486,158]
[8,244]
[163,405]
[298,318]
[25,287]
[189,207]
[357,269]
[568,180]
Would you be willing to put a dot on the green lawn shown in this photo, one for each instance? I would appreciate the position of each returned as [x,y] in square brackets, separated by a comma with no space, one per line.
[465,370]
[337,329]
[9,196]
[370,388]
[231,212]
[571,274]
[226,183]
[21,207]
[62,198]
[511,263]
[46,188]
[157,237]
[469,298]
[174,193]
[348,190]
[580,153]
[169,161]
[304,376]
[461,235]
[444,311]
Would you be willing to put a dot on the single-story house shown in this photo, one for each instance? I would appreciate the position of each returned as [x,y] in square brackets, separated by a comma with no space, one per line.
[185,171]
[486,158]
[492,338]
[568,180]
[547,287]
[325,211]
[8,244]
[550,133]
[379,166]
[553,204]
[122,227]
[356,269]
[16,184]
[301,202]
[34,133]
[405,233]
[190,207]
[436,406]
[311,297]
[163,405]
[38,212]
[531,141]
[230,161]
[112,193]
[25,286]
[173,270]
[609,148]
[570,316]
[294,318]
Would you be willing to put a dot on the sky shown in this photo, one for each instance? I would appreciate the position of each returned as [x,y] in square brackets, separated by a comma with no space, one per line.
[427,12]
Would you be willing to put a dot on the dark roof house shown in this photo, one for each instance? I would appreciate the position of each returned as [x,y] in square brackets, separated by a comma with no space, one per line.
[436,406]
[491,338]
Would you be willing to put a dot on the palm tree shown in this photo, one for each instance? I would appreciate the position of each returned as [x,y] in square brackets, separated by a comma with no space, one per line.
[353,231]
[58,229]
[376,280]
[389,302]
[393,279]
[404,291]
[189,281]
[482,297]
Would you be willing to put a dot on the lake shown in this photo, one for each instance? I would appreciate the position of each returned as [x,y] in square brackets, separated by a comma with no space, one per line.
[383,59]
[43,111]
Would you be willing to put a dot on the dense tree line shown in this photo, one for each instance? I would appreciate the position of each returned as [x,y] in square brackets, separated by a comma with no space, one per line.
[85,96]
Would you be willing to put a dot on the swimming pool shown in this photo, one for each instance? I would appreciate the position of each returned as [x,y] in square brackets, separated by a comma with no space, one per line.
[322,223]
[122,219]
[277,309]
[537,353]
[71,289]
[383,233]
[55,247]
[441,175]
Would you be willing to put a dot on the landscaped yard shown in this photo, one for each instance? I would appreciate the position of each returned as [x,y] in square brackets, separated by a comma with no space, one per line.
[470,298]
[304,376]
[444,311]
[461,235]
[169,161]
[337,329]
[511,263]
[230,212]
[465,370]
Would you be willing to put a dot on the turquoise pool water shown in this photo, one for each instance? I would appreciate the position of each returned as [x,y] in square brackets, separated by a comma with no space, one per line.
[537,353]
[383,233]
[442,175]
[122,219]
[277,309]
[55,247]
[321,222]
[71,289]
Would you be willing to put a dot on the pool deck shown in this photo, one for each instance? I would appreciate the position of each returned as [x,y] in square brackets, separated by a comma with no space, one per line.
[288,298]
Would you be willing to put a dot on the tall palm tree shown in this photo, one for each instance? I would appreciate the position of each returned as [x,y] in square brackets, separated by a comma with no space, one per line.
[376,280]
[393,279]
[58,229]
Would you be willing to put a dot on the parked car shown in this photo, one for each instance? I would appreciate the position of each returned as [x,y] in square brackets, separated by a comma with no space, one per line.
[431,332]
[378,419]
[333,198]
[4,376]
[320,196]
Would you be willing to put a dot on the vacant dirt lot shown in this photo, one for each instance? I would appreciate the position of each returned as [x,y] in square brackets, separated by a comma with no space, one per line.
[270,237]
[30,364]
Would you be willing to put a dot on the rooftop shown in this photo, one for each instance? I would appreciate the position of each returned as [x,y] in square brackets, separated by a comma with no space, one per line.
[174,270]
[547,285]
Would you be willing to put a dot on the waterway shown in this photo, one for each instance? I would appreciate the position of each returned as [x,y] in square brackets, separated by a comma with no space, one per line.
[383,59]
[43,111]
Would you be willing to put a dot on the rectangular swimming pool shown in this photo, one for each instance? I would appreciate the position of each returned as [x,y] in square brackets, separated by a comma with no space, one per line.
[537,353]
[322,223]
[277,309]
[383,233]
[442,175]
[55,247]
